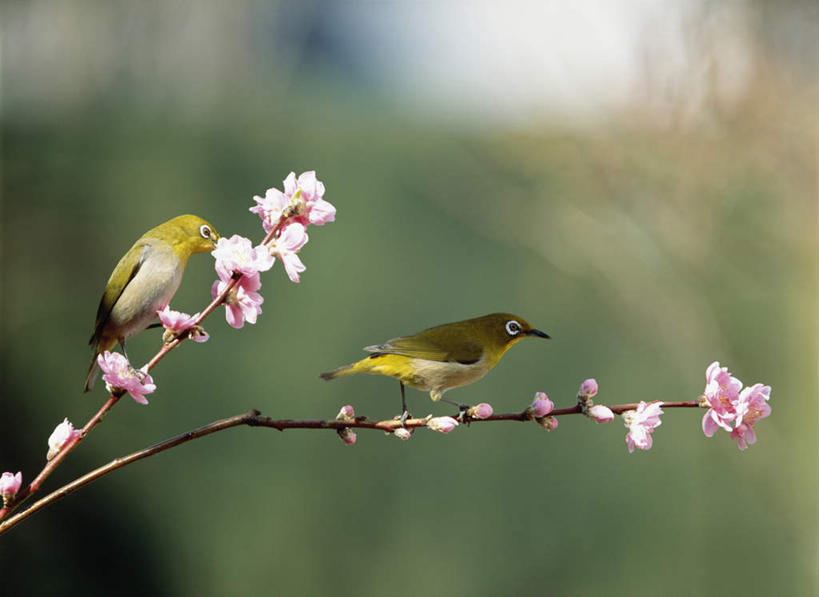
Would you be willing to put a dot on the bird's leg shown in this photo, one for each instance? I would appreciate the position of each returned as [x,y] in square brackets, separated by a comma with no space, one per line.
[141,375]
[155,324]
[125,352]
[404,411]
[462,408]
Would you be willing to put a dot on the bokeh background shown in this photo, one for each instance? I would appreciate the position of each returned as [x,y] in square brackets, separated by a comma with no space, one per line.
[639,179]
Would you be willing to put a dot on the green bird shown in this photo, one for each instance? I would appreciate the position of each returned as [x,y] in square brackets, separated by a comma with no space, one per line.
[443,357]
[144,281]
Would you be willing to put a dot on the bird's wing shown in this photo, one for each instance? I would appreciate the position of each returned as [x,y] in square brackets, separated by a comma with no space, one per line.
[426,346]
[124,272]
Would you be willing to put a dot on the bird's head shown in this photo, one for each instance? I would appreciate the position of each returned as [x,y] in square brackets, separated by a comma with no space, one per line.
[501,330]
[189,234]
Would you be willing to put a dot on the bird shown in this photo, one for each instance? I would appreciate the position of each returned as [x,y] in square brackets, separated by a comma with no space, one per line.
[443,357]
[144,281]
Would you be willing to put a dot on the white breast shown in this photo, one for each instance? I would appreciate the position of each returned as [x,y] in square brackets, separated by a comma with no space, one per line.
[437,377]
[150,290]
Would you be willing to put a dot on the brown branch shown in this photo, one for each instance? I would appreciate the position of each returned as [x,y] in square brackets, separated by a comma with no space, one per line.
[253,418]
[125,460]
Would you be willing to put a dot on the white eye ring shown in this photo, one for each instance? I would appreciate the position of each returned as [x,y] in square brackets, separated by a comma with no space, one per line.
[512,328]
[205,231]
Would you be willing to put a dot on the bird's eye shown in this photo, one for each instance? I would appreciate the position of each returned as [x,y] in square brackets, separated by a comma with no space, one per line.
[205,231]
[512,328]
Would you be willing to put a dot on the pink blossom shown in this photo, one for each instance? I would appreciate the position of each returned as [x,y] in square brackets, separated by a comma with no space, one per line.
[732,408]
[744,434]
[442,424]
[600,413]
[62,434]
[347,413]
[541,405]
[588,389]
[402,433]
[287,246]
[481,411]
[721,394]
[751,406]
[348,436]
[318,211]
[270,208]
[641,423]
[176,322]
[10,485]
[243,303]
[237,254]
[304,198]
[119,375]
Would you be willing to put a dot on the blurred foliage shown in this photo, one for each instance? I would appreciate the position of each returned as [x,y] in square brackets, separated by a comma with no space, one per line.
[646,251]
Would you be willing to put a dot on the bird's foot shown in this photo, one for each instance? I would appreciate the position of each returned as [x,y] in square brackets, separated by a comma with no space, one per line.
[404,416]
[462,408]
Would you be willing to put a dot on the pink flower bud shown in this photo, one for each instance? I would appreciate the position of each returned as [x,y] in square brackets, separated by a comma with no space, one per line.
[347,435]
[548,423]
[481,411]
[10,485]
[442,424]
[62,434]
[541,406]
[588,388]
[402,433]
[600,413]
[347,413]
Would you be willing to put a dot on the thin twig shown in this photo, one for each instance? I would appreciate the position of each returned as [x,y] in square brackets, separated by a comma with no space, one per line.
[59,457]
[253,418]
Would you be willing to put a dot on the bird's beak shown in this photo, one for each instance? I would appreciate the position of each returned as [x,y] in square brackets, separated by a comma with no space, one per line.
[534,332]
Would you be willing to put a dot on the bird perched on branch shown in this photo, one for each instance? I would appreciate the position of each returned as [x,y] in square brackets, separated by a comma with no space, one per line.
[443,357]
[144,281]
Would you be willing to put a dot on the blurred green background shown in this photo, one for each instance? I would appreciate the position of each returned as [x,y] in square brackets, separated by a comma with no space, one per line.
[639,182]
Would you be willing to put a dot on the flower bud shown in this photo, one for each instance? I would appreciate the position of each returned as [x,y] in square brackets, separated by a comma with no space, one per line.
[481,411]
[541,405]
[600,414]
[347,435]
[402,433]
[347,413]
[442,424]
[588,389]
[62,434]
[548,423]
[10,485]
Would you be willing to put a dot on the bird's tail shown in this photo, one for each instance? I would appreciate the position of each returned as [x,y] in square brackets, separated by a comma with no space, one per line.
[91,376]
[345,370]
[100,345]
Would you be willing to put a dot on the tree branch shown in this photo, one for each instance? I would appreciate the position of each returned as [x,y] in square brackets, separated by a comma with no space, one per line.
[253,418]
